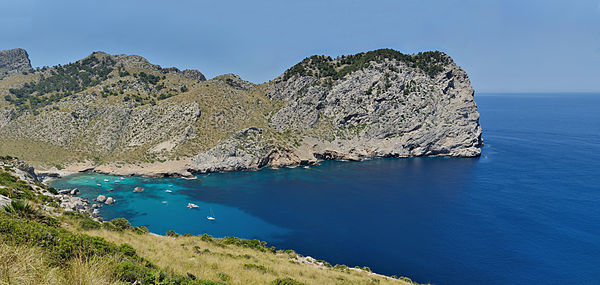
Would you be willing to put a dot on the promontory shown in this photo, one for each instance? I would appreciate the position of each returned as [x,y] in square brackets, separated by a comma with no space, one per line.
[120,114]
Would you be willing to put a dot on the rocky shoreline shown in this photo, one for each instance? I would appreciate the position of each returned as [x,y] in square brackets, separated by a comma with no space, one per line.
[183,168]
[65,198]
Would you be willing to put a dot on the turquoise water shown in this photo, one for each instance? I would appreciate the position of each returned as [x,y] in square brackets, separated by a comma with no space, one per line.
[527,211]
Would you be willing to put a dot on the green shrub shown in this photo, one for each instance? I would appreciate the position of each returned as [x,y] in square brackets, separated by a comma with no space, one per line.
[257,267]
[286,281]
[140,230]
[341,267]
[89,224]
[21,209]
[171,233]
[254,244]
[121,224]
[223,277]
[127,249]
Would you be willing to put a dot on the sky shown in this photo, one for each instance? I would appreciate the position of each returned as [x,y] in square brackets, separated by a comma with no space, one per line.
[504,45]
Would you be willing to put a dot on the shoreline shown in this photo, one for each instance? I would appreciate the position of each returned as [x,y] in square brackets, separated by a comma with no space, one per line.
[182,169]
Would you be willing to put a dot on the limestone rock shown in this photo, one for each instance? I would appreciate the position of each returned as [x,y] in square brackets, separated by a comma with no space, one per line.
[101,198]
[4,201]
[14,60]
[390,107]
[138,190]
[109,201]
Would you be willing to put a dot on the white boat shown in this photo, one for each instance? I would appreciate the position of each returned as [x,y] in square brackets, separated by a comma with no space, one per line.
[117,181]
[98,185]
[122,178]
[212,216]
[168,191]
[306,167]
[105,180]
[192,206]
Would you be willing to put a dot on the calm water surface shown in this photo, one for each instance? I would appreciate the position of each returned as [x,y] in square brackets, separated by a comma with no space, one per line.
[526,211]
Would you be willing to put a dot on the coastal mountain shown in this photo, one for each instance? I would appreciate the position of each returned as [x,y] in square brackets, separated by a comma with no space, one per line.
[120,114]
[13,61]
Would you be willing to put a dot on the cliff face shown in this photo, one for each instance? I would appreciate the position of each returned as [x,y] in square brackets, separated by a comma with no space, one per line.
[129,112]
[377,104]
[14,60]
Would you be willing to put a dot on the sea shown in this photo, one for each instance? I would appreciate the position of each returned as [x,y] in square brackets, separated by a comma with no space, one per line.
[526,211]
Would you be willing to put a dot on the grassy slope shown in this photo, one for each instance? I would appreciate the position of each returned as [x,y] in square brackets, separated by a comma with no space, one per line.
[213,260]
[224,110]
[55,247]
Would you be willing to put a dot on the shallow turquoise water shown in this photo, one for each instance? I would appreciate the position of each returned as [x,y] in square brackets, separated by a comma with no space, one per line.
[527,211]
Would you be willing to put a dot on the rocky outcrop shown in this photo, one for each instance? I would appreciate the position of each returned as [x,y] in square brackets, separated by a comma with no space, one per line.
[391,106]
[14,60]
[188,73]
[20,168]
[4,200]
[136,118]
[101,199]
[234,81]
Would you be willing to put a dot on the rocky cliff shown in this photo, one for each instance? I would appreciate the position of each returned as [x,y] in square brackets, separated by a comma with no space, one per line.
[14,60]
[120,114]
[375,104]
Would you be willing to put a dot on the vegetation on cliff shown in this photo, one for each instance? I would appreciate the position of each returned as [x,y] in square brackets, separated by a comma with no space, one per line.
[42,244]
[124,115]
[431,62]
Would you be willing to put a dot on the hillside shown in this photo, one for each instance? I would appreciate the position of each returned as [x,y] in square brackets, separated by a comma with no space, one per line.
[120,114]
[43,243]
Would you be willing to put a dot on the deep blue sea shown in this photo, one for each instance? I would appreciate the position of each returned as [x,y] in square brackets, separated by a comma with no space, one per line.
[526,211]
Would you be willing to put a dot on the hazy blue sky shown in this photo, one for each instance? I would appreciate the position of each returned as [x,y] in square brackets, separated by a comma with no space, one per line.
[504,45]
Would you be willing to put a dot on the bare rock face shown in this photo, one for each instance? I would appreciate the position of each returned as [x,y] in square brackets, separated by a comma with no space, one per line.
[193,74]
[14,60]
[388,108]
[376,104]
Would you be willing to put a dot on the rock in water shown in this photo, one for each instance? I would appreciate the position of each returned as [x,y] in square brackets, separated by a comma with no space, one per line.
[14,60]
[101,198]
[138,190]
[109,201]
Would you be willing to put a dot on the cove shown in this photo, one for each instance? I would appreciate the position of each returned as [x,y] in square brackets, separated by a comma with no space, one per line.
[526,211]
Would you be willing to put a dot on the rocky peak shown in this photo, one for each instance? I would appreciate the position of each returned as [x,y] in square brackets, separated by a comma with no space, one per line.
[188,73]
[234,81]
[14,60]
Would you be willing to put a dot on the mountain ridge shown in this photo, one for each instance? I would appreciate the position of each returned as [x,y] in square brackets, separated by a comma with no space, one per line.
[120,114]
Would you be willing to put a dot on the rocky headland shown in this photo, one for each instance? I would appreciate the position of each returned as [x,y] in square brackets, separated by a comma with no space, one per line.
[119,114]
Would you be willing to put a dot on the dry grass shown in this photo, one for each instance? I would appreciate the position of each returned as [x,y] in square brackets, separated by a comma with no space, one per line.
[23,265]
[88,271]
[233,264]
[30,265]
